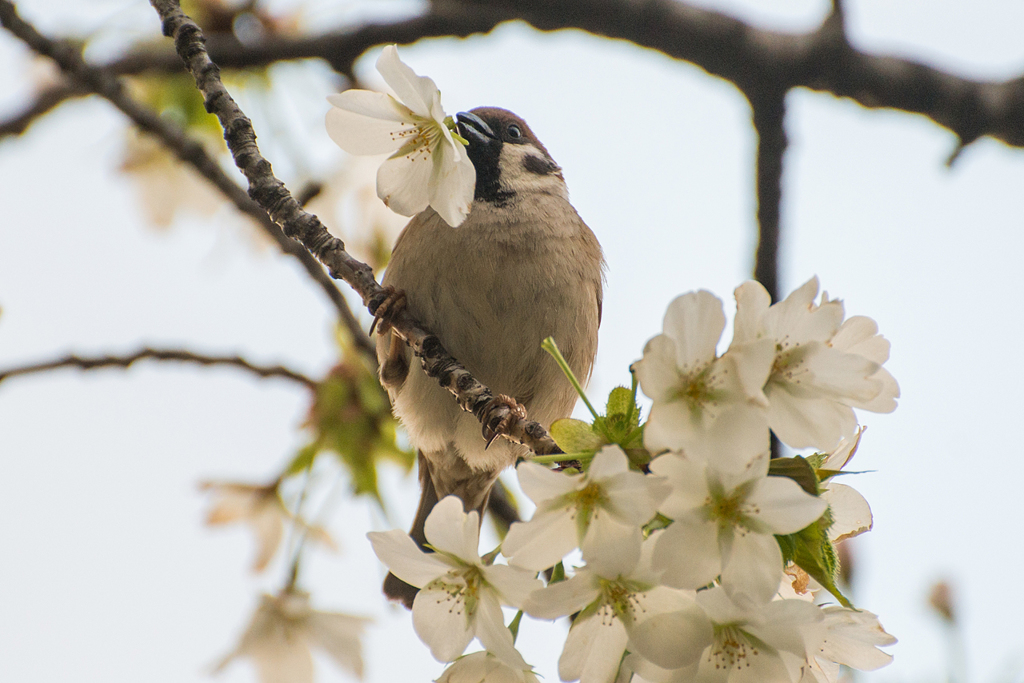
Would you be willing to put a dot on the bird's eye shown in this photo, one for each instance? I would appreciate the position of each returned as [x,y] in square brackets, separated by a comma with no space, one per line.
[514,132]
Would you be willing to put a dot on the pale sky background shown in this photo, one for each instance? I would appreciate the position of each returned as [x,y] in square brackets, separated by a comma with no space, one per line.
[106,573]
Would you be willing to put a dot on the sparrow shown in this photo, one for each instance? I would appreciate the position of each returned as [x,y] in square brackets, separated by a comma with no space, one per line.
[523,266]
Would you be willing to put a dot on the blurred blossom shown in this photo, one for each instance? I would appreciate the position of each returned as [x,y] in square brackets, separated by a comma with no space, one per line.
[262,509]
[941,600]
[349,207]
[285,629]
[166,186]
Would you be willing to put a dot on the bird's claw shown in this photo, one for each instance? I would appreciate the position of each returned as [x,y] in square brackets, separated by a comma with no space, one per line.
[497,422]
[386,305]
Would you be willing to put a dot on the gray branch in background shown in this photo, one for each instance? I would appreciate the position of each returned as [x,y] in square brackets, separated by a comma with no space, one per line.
[186,148]
[175,355]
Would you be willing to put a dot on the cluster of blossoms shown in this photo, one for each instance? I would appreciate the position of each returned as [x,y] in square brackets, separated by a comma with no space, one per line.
[690,541]
[690,534]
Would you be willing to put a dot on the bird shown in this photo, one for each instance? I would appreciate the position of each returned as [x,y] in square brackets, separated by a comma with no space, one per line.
[523,266]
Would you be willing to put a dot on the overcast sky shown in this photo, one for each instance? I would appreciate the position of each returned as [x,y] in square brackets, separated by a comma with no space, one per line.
[107,573]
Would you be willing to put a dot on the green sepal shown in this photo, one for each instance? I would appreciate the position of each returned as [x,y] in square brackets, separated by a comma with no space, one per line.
[811,550]
[302,461]
[558,573]
[514,625]
[796,468]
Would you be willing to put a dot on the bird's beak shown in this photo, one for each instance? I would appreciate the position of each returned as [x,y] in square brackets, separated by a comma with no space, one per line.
[473,128]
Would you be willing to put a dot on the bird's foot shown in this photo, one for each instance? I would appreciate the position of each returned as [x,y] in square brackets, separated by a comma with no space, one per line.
[499,416]
[385,306]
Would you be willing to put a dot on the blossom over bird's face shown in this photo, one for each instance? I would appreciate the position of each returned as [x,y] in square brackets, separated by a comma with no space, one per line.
[429,165]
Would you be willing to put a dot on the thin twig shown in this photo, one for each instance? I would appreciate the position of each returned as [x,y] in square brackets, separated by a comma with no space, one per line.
[186,148]
[174,355]
[272,195]
[46,101]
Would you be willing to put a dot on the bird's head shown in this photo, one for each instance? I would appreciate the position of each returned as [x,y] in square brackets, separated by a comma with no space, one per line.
[508,157]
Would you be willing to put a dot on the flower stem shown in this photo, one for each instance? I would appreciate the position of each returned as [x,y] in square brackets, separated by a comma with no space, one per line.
[562,457]
[551,347]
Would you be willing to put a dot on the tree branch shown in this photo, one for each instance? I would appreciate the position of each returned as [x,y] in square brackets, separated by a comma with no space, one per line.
[757,59]
[46,101]
[769,122]
[752,58]
[272,195]
[176,355]
[339,49]
[184,147]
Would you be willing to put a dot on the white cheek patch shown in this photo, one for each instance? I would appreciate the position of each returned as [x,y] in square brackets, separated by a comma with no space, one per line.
[515,176]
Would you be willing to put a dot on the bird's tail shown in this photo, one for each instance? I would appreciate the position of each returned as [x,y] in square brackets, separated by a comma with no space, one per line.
[394,588]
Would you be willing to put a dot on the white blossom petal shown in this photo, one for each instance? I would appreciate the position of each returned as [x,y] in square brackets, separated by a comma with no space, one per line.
[688,484]
[339,635]
[417,92]
[363,122]
[449,529]
[851,514]
[494,636]
[563,598]
[734,440]
[674,636]
[657,371]
[695,322]
[452,184]
[483,667]
[859,335]
[513,585]
[608,462]
[440,618]
[783,506]
[752,302]
[670,425]
[753,566]
[610,547]
[543,484]
[402,182]
[688,553]
[541,542]
[405,559]
[808,423]
[852,638]
[593,648]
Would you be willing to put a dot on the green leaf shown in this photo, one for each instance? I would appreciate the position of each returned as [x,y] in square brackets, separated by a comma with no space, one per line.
[351,418]
[575,436]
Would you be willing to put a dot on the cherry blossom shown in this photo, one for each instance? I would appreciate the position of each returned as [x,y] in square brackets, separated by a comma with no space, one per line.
[429,166]
[600,510]
[460,596]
